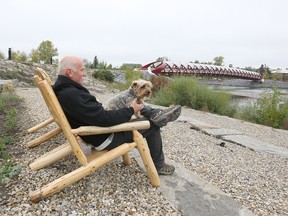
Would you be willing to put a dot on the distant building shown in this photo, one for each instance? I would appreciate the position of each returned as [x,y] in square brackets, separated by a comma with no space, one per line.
[280,70]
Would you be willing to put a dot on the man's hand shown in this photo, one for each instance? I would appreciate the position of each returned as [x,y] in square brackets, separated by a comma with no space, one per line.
[137,106]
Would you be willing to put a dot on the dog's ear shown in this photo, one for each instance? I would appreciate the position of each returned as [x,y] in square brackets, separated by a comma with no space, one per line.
[134,84]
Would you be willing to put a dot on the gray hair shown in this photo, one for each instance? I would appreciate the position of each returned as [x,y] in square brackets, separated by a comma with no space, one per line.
[68,62]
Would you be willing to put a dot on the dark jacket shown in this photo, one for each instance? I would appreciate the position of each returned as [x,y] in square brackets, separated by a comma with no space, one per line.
[82,109]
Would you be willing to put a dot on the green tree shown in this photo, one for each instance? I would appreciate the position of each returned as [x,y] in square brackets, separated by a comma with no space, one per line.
[46,51]
[19,56]
[102,65]
[34,56]
[110,67]
[2,56]
[218,60]
[163,58]
[95,62]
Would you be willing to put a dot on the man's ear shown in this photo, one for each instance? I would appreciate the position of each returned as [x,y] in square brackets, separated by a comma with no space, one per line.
[68,73]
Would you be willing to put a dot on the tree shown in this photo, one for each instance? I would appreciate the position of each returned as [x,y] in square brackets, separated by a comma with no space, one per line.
[110,67]
[19,56]
[102,65]
[95,62]
[218,60]
[163,58]
[34,56]
[2,56]
[46,51]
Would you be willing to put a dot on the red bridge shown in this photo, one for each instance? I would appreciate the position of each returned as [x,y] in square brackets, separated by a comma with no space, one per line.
[171,69]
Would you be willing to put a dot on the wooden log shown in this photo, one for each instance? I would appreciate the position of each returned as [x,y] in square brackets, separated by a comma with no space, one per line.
[128,126]
[41,125]
[80,173]
[59,116]
[44,137]
[144,151]
[126,159]
[51,157]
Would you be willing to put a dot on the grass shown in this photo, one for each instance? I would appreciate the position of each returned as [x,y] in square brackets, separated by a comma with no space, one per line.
[8,102]
[268,110]
[186,92]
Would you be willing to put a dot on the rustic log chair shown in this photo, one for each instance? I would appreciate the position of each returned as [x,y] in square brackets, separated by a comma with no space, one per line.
[43,76]
[95,159]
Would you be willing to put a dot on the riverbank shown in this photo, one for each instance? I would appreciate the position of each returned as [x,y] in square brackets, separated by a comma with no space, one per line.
[244,83]
[257,180]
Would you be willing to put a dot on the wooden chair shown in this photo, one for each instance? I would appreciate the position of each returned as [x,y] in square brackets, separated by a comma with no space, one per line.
[96,159]
[42,75]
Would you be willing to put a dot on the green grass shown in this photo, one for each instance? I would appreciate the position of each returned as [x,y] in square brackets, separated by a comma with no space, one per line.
[8,102]
[268,110]
[186,92]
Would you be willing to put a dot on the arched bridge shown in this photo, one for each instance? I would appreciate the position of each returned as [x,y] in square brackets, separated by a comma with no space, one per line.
[170,69]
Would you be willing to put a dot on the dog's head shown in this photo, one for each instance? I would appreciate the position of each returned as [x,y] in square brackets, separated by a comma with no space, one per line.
[142,88]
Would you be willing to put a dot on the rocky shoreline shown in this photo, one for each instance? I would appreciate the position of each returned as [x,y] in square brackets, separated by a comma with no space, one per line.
[256,179]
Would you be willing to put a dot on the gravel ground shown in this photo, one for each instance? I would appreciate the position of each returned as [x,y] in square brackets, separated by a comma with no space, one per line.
[257,180]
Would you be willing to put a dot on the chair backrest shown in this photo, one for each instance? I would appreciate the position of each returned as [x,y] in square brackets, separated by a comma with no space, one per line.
[43,75]
[59,117]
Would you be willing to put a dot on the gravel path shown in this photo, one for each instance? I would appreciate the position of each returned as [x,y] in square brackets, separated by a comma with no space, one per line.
[257,180]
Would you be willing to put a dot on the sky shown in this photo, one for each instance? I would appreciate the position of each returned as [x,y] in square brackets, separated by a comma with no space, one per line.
[247,33]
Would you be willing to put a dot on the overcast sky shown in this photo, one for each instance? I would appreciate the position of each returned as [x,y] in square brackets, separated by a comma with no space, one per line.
[244,32]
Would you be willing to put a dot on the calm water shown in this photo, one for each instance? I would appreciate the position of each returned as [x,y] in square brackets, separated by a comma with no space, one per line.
[245,96]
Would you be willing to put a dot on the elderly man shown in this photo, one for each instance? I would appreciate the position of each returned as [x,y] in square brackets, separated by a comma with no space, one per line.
[83,109]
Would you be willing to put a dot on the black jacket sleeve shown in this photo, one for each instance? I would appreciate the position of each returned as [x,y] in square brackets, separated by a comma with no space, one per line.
[82,109]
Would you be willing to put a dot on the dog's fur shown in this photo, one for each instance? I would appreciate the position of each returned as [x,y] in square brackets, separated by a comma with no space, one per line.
[140,89]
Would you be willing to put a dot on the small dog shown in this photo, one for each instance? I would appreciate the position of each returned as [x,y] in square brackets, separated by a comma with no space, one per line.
[140,89]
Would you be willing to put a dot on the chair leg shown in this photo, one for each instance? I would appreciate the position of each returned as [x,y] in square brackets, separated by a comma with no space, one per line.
[126,159]
[44,137]
[41,125]
[146,157]
[80,173]
[51,157]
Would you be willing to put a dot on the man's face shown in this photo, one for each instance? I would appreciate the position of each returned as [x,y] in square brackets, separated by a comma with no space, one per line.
[78,74]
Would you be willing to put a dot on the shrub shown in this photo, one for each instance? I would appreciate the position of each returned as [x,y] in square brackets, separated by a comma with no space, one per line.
[268,110]
[131,75]
[10,119]
[186,92]
[8,170]
[103,74]
[159,82]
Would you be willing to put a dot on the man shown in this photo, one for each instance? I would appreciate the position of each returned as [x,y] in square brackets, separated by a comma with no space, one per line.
[83,109]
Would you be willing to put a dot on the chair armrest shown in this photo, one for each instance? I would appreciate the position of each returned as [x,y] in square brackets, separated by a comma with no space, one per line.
[128,126]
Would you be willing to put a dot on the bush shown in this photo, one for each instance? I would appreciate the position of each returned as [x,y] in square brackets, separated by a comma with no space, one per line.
[186,92]
[159,82]
[10,119]
[131,75]
[103,74]
[8,101]
[8,171]
[268,110]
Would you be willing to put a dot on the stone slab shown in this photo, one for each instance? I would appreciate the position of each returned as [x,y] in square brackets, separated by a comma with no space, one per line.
[195,123]
[194,196]
[256,144]
[220,131]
